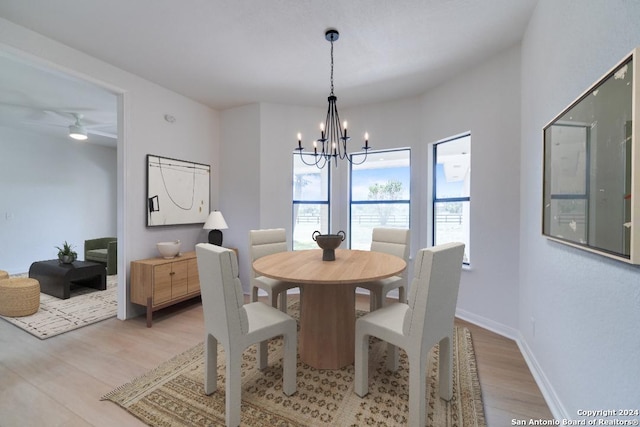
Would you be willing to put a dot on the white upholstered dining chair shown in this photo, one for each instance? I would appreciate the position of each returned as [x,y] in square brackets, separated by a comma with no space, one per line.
[393,241]
[237,326]
[266,242]
[426,320]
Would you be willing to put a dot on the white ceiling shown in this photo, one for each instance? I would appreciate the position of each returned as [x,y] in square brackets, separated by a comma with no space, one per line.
[45,101]
[226,53]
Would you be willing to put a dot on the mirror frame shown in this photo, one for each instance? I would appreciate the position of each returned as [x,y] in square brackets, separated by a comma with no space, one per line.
[634,238]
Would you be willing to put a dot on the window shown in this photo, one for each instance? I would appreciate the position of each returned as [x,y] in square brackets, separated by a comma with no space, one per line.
[380,194]
[451,200]
[310,201]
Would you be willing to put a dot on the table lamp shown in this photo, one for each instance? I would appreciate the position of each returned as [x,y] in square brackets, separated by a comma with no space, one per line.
[215,222]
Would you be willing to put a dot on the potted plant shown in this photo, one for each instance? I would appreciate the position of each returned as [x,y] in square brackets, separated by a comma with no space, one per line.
[66,254]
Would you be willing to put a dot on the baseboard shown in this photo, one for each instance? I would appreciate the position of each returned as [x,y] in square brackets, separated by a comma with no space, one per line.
[551,398]
[556,407]
[489,324]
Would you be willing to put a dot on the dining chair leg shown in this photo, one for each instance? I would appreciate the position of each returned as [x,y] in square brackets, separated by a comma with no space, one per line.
[233,389]
[283,301]
[254,294]
[361,365]
[417,386]
[392,357]
[289,360]
[273,299]
[445,370]
[402,295]
[211,365]
[262,356]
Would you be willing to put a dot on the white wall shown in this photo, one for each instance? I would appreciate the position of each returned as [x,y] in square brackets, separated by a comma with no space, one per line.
[53,189]
[240,180]
[390,125]
[194,137]
[256,175]
[485,101]
[586,307]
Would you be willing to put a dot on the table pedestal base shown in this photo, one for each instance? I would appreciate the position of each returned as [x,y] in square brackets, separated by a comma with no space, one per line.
[327,325]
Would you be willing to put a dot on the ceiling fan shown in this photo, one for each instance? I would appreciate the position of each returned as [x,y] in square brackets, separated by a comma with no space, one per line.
[79,129]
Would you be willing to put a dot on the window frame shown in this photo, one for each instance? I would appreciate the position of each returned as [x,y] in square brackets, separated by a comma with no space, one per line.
[295,202]
[435,200]
[374,202]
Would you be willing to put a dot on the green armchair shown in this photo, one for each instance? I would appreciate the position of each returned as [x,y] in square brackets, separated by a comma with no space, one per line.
[103,250]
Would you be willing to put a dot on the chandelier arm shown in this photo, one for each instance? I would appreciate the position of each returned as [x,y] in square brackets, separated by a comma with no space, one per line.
[328,127]
[321,159]
[303,160]
[338,132]
[358,163]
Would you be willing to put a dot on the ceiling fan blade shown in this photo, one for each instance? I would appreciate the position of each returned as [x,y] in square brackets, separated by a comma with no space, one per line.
[100,133]
[19,111]
[42,123]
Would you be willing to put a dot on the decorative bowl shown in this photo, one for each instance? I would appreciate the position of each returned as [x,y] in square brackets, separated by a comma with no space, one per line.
[328,243]
[169,250]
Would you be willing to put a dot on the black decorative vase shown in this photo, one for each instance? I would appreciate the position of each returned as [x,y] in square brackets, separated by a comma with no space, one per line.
[328,243]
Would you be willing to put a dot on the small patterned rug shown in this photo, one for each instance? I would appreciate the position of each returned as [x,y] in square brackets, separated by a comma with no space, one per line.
[57,316]
[173,393]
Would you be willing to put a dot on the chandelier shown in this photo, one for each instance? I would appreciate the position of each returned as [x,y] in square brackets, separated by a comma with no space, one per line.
[332,143]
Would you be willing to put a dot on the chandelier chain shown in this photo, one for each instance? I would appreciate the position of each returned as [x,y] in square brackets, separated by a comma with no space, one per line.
[332,67]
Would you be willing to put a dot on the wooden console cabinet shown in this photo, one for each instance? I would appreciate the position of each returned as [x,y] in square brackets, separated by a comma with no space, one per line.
[158,283]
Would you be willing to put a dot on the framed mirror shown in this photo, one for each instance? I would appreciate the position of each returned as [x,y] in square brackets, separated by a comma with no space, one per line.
[177,191]
[591,161]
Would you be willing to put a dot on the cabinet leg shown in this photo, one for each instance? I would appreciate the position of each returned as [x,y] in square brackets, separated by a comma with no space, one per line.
[149,312]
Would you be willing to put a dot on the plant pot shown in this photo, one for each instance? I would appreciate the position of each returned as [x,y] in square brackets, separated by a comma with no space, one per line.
[66,259]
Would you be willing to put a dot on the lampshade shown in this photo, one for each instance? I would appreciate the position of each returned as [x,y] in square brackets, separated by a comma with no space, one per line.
[215,221]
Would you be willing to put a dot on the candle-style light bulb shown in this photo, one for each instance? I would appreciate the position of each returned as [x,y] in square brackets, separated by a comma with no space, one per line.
[366,140]
[344,125]
[299,141]
[321,130]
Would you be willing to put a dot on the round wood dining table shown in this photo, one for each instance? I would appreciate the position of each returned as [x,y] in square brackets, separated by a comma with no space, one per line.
[327,312]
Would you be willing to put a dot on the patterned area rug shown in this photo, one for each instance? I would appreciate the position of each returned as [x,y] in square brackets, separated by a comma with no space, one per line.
[57,316]
[173,393]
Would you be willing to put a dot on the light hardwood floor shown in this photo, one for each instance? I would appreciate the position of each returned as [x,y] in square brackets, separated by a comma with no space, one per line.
[59,381]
